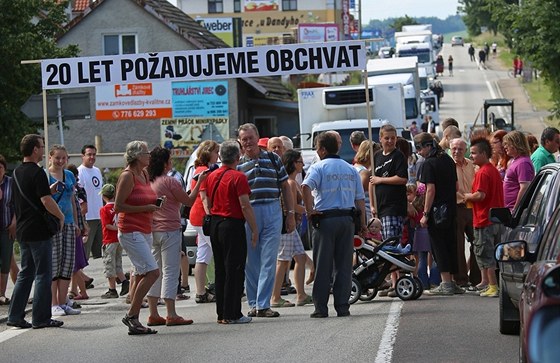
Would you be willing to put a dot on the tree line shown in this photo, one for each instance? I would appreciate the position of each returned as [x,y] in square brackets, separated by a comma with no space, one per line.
[530,28]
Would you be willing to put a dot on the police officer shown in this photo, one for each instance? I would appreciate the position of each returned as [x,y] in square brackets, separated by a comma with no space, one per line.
[338,194]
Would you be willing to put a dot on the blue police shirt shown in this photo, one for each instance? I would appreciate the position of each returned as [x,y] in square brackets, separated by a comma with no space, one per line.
[337,184]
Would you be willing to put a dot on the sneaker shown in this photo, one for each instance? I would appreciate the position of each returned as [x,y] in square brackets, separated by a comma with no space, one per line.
[392,293]
[491,291]
[110,294]
[457,290]
[442,290]
[385,292]
[241,320]
[70,311]
[125,286]
[57,311]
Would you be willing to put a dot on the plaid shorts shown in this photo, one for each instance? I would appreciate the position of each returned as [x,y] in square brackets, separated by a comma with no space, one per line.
[112,259]
[392,226]
[64,252]
[290,246]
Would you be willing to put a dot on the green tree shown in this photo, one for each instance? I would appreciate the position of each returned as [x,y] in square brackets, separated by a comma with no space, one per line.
[29,30]
[536,36]
[403,20]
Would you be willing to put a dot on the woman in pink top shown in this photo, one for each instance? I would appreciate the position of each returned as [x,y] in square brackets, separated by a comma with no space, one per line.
[167,235]
[520,171]
[135,202]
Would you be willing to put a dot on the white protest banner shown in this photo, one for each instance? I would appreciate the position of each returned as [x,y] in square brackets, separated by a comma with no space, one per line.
[198,65]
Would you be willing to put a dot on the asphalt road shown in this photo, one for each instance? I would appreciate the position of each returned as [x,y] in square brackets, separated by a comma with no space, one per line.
[432,329]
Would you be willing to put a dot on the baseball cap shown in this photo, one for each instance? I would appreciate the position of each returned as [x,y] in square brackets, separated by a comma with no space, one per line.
[107,190]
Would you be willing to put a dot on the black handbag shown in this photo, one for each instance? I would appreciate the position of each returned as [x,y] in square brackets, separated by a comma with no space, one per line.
[52,223]
[207,220]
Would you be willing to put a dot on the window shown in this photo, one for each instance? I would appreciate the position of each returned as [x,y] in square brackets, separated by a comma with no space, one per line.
[538,203]
[215,6]
[119,44]
[289,5]
[236,6]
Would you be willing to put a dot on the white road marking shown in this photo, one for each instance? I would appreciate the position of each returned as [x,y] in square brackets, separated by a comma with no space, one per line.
[385,350]
[11,333]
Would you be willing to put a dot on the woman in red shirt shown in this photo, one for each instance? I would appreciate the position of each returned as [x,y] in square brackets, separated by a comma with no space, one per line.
[207,156]
[135,202]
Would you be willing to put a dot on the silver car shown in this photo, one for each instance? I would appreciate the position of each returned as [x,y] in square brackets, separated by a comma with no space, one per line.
[456,40]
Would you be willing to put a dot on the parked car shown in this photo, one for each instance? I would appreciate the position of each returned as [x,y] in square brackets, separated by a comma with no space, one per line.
[456,40]
[539,303]
[527,222]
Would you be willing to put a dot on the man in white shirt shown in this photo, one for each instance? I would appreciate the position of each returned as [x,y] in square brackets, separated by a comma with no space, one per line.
[92,181]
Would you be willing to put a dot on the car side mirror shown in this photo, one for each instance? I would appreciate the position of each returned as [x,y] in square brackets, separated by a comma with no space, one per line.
[513,251]
[501,215]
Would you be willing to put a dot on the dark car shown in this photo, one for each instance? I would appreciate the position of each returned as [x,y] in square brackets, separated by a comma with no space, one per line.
[539,303]
[527,222]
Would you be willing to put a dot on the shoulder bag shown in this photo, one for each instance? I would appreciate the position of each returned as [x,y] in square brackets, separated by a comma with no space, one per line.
[207,220]
[52,222]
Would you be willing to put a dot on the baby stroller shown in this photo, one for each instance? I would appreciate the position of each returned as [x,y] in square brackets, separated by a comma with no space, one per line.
[373,264]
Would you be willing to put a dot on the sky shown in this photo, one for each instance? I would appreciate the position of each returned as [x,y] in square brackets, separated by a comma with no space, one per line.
[383,9]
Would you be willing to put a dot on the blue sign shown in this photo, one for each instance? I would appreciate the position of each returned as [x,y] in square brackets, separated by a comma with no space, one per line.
[200,99]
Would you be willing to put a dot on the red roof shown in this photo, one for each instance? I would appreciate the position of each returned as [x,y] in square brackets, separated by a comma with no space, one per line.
[80,5]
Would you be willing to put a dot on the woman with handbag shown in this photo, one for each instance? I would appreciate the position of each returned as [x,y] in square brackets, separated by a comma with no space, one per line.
[62,184]
[167,235]
[207,156]
[228,200]
[135,202]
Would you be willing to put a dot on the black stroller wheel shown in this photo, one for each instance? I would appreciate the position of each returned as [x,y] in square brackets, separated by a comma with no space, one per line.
[368,294]
[355,292]
[406,288]
[419,286]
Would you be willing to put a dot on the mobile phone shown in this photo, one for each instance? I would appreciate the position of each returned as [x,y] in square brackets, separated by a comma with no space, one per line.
[159,202]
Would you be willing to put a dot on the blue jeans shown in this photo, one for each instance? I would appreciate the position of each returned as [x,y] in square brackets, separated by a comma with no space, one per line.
[36,265]
[260,269]
[434,278]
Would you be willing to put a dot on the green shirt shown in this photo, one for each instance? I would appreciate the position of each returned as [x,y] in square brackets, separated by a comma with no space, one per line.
[541,157]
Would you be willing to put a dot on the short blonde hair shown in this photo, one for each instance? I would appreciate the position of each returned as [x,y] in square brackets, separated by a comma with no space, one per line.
[133,150]
[517,140]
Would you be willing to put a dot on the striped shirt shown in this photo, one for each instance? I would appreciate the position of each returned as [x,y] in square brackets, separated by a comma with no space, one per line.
[6,206]
[264,178]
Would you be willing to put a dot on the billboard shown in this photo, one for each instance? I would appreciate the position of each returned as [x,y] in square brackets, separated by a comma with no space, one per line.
[133,101]
[314,33]
[227,29]
[260,5]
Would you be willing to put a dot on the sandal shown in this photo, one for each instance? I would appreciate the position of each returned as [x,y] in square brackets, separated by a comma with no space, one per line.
[4,300]
[134,326]
[282,304]
[206,298]
[181,297]
[307,301]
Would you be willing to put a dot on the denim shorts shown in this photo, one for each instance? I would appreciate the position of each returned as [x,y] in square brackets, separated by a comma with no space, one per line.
[484,242]
[138,247]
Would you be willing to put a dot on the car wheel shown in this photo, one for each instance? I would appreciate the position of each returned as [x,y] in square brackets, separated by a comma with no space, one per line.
[509,314]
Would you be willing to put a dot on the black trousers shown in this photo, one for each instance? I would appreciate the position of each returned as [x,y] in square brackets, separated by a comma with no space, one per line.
[229,246]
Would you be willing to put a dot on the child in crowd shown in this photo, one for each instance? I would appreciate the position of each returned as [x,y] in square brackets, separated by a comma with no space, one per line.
[421,246]
[374,237]
[112,250]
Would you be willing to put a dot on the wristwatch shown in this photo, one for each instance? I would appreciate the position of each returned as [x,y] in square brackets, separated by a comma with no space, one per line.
[425,214]
[291,212]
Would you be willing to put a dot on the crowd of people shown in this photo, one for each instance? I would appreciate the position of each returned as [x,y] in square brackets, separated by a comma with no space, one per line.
[250,214]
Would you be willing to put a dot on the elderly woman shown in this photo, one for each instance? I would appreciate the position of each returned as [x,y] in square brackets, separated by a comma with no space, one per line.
[207,156]
[62,184]
[167,234]
[135,202]
[520,171]
[228,199]
[7,229]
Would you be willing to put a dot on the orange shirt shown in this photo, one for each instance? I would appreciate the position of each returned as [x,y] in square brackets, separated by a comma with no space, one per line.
[141,194]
